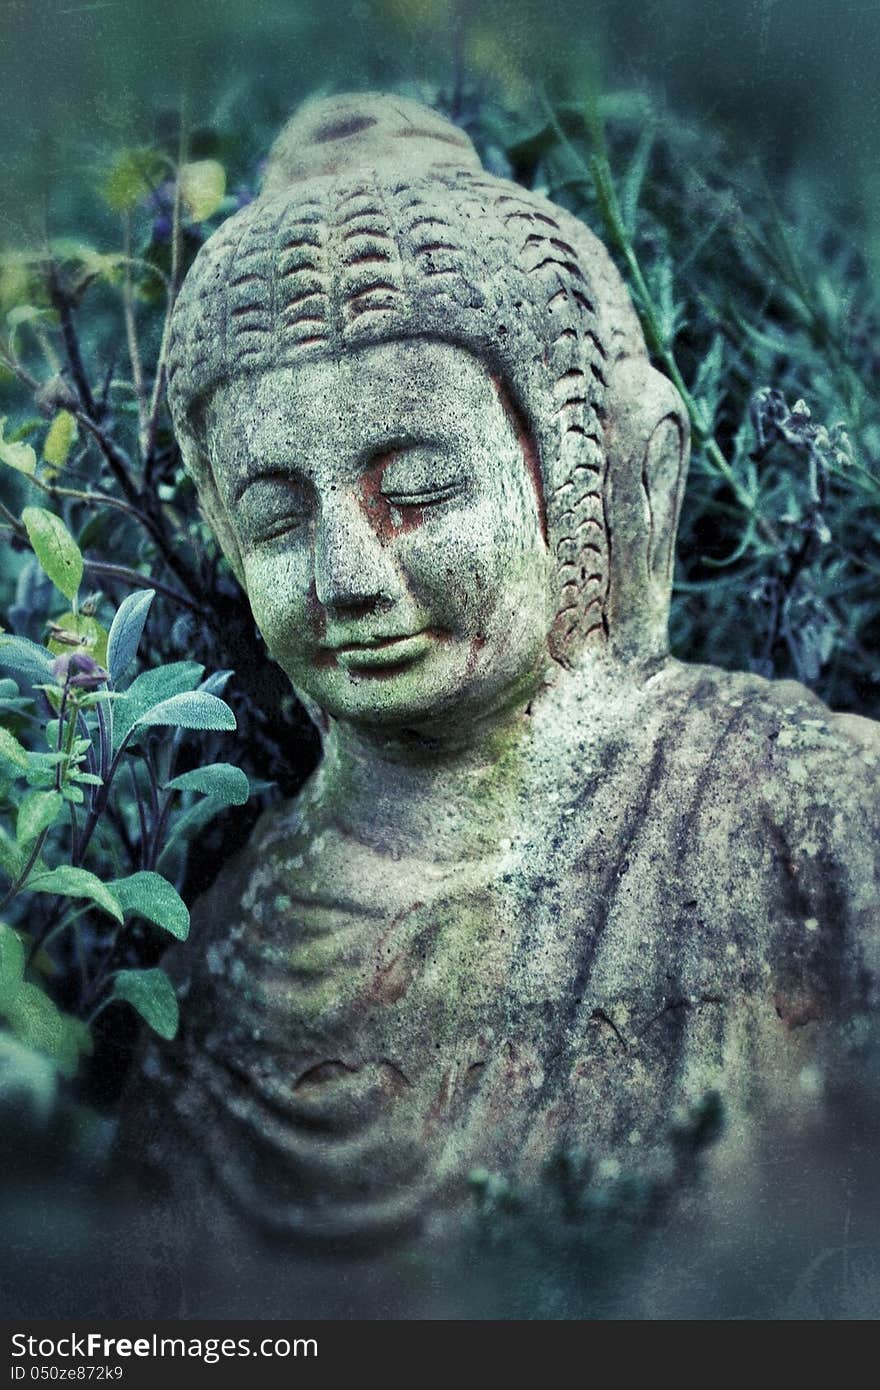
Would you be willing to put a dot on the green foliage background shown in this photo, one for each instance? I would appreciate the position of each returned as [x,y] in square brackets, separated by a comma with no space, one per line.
[726,152]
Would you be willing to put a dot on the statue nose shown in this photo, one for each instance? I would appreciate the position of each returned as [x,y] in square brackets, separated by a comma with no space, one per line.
[353,571]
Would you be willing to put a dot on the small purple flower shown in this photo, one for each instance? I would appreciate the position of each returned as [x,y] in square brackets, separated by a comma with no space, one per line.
[162,198]
[79,670]
[162,228]
[160,202]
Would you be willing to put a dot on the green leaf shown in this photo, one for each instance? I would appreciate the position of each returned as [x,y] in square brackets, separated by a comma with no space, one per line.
[36,813]
[188,825]
[11,750]
[133,173]
[98,697]
[24,656]
[55,548]
[80,1033]
[12,860]
[202,186]
[26,313]
[20,279]
[36,1021]
[150,689]
[708,386]
[126,631]
[93,534]
[40,961]
[18,456]
[11,965]
[195,710]
[216,683]
[152,994]
[146,894]
[227,783]
[26,1074]
[11,702]
[93,636]
[631,188]
[62,433]
[41,769]
[94,265]
[70,882]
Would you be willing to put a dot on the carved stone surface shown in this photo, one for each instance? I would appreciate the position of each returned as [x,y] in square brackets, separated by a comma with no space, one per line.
[549,887]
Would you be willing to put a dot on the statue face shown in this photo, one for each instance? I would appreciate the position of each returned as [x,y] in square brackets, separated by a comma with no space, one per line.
[389,530]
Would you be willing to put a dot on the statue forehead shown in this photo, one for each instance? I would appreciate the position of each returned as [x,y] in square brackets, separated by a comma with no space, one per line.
[381,388]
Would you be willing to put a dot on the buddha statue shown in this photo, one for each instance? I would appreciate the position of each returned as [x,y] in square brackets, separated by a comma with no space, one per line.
[549,888]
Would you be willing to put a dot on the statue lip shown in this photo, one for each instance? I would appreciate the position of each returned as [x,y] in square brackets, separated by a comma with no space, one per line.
[380,650]
[372,642]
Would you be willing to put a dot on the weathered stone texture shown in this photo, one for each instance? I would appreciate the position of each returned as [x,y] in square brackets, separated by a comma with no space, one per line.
[549,887]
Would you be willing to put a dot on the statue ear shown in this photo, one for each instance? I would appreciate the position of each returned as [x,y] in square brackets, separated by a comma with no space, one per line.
[647,444]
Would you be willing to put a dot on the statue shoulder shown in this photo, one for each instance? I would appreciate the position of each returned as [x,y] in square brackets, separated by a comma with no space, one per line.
[805,782]
[771,730]
[817,762]
[775,824]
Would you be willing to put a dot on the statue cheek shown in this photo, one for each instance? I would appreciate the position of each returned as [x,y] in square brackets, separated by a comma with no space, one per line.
[282,597]
[442,574]
[461,561]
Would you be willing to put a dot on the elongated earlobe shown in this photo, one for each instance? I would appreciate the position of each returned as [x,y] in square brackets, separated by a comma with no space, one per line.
[663,478]
[648,446]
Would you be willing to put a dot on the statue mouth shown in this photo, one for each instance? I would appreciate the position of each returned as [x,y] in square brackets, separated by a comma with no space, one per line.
[378,653]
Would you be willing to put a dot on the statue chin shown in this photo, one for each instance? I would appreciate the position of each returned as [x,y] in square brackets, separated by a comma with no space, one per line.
[457,702]
[606,915]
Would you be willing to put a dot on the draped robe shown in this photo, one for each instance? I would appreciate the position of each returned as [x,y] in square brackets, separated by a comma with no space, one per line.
[688,907]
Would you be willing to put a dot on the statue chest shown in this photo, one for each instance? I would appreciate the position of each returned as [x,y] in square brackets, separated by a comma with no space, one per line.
[363,1033]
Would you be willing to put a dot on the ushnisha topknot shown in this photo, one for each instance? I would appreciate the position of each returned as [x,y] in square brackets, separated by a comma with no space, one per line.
[377,222]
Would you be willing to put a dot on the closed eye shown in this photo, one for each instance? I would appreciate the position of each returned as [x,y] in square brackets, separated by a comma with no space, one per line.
[263,480]
[423,497]
[418,473]
[281,526]
[272,505]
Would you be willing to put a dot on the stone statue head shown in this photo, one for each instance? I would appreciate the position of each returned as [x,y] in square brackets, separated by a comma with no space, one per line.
[418,408]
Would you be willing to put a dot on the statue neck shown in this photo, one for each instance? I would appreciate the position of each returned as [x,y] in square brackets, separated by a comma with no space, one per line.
[469,792]
[450,798]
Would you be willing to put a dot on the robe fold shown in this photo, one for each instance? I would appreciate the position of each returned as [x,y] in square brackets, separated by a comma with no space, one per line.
[688,914]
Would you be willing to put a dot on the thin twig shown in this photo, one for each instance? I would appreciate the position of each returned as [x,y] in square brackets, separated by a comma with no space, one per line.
[173,285]
[64,304]
[13,522]
[101,974]
[51,356]
[94,499]
[117,460]
[22,879]
[142,581]
[59,743]
[9,360]
[134,352]
[144,504]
